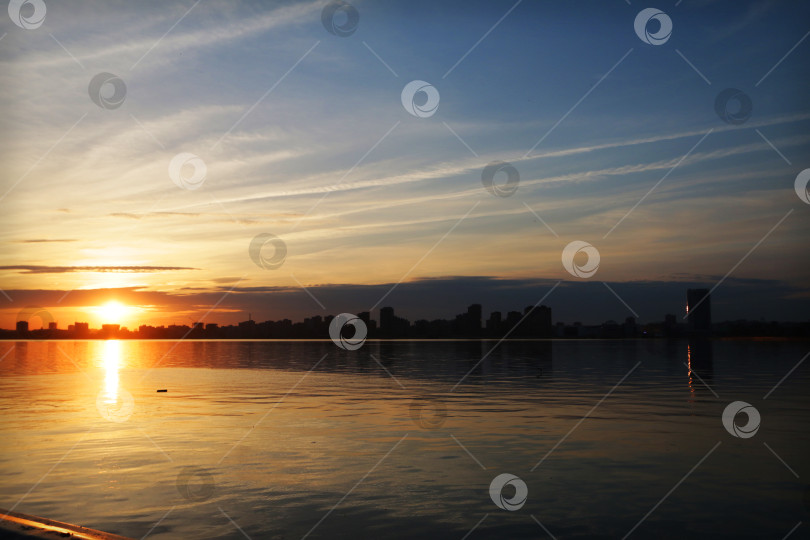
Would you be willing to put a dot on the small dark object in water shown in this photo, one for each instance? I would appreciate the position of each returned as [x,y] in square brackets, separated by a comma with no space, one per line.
[163,390]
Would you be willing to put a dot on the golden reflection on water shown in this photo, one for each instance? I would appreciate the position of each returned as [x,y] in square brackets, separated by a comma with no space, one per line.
[111,362]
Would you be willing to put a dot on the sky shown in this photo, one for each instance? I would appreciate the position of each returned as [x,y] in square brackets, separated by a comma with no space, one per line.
[299,137]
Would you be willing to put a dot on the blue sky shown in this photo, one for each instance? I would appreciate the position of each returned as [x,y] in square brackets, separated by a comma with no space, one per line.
[283,113]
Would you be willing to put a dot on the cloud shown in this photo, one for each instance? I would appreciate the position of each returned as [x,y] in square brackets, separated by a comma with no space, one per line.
[378,173]
[229,27]
[36,269]
[46,240]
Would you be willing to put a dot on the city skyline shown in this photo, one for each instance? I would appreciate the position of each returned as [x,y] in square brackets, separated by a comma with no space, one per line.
[533,321]
[589,302]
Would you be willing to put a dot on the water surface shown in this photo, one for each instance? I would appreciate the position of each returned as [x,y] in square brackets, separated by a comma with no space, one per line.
[293,439]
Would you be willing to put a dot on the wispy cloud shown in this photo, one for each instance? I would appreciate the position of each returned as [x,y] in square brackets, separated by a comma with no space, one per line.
[36,269]
[46,240]
[210,26]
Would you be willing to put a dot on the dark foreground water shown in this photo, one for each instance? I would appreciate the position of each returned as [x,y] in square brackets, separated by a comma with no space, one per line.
[295,439]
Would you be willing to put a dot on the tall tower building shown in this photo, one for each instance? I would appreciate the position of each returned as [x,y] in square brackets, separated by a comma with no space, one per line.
[699,311]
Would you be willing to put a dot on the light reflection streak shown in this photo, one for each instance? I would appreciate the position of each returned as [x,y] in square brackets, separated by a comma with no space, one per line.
[112,364]
[689,365]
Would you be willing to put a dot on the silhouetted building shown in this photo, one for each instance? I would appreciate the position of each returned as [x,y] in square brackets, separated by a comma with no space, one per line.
[110,330]
[179,331]
[371,324]
[537,322]
[22,327]
[629,329]
[473,320]
[392,326]
[386,320]
[209,331]
[494,323]
[610,329]
[699,311]
[81,329]
[670,328]
[512,320]
[52,326]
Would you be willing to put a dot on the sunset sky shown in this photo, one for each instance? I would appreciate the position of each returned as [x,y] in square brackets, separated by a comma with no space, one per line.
[304,136]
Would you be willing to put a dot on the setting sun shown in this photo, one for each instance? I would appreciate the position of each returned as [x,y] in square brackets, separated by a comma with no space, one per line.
[113,312]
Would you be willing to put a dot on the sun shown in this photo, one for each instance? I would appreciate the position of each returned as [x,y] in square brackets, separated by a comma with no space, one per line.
[112,312]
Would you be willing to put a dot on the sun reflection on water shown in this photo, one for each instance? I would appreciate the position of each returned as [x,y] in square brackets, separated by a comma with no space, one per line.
[112,363]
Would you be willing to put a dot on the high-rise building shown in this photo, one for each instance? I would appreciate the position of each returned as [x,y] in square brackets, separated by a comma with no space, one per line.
[22,327]
[494,322]
[542,321]
[699,310]
[110,330]
[512,320]
[474,320]
[386,320]
[371,324]
[536,322]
